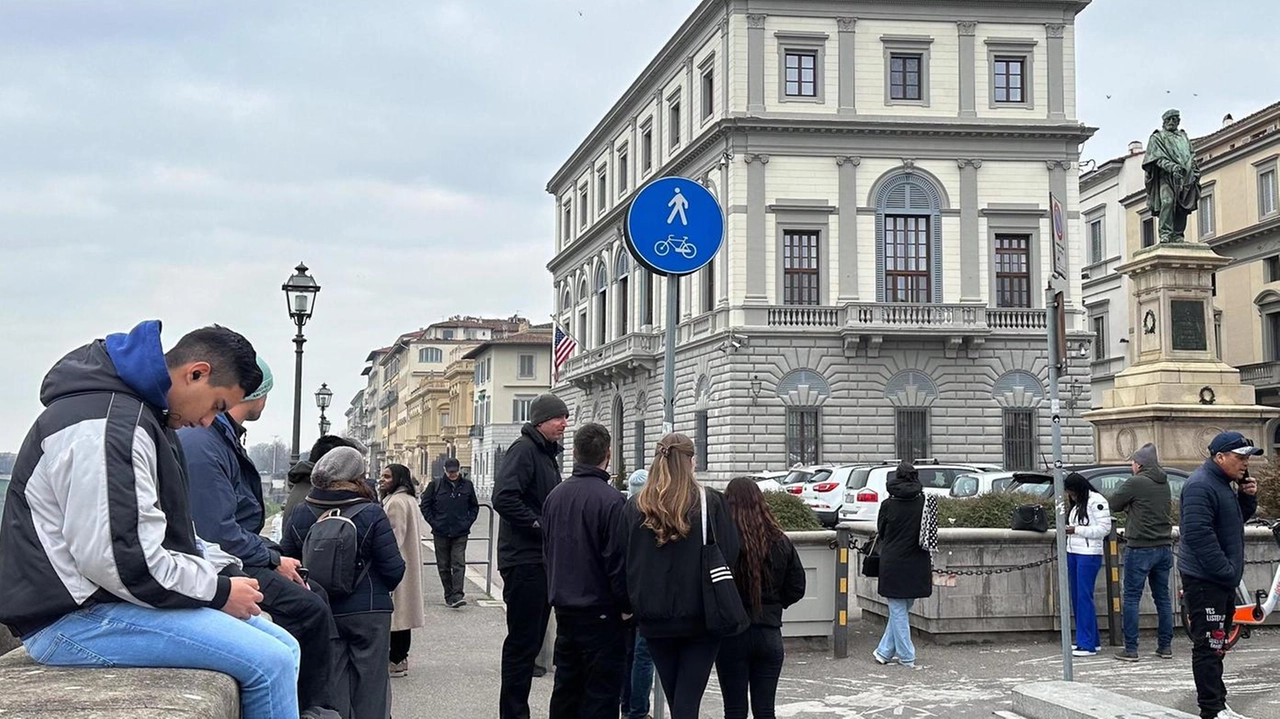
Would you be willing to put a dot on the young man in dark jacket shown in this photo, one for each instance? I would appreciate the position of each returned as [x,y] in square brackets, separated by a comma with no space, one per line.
[449,505]
[586,576]
[1148,554]
[97,544]
[530,470]
[226,502]
[1216,502]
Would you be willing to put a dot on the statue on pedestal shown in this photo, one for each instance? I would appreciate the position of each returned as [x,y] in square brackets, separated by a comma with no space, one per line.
[1172,178]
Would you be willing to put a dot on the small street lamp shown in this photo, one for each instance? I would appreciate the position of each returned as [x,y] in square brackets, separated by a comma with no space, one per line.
[300,295]
[324,396]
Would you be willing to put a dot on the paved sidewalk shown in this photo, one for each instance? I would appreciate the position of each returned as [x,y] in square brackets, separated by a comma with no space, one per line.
[455,659]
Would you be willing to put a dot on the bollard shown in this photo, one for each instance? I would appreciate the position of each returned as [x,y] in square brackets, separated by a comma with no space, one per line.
[840,631]
[1111,560]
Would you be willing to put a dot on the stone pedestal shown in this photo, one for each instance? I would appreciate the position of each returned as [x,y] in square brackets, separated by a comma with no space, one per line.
[1176,393]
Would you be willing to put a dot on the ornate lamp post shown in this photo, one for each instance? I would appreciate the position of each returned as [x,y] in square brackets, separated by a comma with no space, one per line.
[324,396]
[300,293]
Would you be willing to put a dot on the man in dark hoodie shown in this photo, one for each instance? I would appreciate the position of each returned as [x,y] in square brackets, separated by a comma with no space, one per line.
[1148,554]
[586,574]
[226,499]
[530,470]
[450,506]
[1216,502]
[100,564]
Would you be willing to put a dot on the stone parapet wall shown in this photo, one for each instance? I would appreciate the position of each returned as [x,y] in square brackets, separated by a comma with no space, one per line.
[984,607]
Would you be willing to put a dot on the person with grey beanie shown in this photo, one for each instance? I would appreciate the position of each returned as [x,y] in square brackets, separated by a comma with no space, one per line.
[530,470]
[362,680]
[1148,554]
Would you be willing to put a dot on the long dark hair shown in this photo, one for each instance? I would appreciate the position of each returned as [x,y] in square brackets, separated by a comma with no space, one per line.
[400,477]
[758,530]
[1077,489]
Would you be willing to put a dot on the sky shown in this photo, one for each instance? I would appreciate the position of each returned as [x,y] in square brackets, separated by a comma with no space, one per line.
[177,160]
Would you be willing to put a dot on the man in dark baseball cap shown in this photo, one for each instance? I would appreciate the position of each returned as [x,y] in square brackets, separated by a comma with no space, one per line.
[1216,502]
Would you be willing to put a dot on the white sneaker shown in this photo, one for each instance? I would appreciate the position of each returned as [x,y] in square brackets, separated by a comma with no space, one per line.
[1083,653]
[875,654]
[1230,713]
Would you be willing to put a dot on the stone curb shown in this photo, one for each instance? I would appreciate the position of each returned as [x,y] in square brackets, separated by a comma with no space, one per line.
[1072,700]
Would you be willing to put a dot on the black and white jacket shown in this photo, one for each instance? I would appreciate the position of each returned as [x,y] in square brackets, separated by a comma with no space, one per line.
[97,508]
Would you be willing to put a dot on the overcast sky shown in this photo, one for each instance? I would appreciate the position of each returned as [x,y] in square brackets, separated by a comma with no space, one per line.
[176,160]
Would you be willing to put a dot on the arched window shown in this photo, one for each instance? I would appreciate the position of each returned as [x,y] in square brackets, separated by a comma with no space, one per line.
[911,392]
[602,306]
[583,338]
[430,355]
[622,272]
[1019,394]
[908,239]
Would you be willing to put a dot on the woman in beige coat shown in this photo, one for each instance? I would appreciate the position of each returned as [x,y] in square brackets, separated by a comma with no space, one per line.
[398,491]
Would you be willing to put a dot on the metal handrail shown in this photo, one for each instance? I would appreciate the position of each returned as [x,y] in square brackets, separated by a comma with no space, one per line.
[488,551]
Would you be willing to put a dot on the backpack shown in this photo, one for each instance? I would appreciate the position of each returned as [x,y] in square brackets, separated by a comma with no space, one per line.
[331,550]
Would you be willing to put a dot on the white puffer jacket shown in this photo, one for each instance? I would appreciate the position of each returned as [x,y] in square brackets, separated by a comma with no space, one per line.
[1088,538]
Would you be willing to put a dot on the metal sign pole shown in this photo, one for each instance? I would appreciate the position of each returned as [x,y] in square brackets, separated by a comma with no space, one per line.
[1052,298]
[668,421]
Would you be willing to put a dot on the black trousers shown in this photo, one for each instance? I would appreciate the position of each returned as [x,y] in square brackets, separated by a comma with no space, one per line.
[1211,606]
[524,589]
[590,654]
[305,615]
[362,685]
[400,642]
[451,562]
[750,664]
[684,665]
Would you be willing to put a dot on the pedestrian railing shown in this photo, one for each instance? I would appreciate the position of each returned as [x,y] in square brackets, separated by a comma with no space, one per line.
[488,550]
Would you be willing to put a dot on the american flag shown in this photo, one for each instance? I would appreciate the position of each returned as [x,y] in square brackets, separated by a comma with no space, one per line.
[562,347]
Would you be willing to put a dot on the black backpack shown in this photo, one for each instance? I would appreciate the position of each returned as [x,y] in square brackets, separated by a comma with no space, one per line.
[331,550]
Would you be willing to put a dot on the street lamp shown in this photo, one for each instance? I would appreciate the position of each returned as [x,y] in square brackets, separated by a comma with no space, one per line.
[300,295]
[324,396]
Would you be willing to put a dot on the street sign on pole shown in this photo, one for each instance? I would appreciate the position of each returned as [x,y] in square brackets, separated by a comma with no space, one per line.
[673,227]
[1059,222]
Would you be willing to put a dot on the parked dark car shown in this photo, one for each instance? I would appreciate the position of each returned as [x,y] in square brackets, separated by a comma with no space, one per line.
[1104,478]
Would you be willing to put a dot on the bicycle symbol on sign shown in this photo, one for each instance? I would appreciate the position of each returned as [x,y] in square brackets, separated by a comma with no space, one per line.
[681,245]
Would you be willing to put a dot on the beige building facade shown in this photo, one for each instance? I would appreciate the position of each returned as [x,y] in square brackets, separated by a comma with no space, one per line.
[509,372]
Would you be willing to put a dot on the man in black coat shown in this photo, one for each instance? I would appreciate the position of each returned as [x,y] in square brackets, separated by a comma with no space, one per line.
[449,505]
[1216,502]
[530,470]
[586,574]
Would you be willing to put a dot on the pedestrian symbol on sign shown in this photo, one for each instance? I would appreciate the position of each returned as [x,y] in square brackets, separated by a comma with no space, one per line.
[678,205]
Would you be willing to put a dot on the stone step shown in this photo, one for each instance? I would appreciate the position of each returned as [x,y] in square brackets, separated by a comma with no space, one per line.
[1072,700]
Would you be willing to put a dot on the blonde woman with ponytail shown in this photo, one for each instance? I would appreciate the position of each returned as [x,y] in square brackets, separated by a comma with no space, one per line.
[661,528]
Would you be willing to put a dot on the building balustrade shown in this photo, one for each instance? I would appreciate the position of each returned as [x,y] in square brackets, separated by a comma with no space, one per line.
[1261,374]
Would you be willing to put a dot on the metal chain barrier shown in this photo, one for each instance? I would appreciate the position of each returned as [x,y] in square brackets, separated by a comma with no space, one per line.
[866,548]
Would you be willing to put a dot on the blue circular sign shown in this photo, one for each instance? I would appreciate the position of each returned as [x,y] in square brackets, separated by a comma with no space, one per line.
[674,226]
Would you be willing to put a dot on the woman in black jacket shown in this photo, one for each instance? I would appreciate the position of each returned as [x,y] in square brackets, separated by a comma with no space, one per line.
[362,684]
[770,578]
[905,566]
[661,531]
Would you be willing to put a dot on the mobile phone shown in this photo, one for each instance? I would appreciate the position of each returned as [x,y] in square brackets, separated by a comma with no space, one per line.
[303,572]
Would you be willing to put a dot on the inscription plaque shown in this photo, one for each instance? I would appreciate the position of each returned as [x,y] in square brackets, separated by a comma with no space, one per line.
[1187,325]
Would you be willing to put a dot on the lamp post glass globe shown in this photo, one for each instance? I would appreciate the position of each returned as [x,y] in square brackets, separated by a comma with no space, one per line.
[300,291]
[324,396]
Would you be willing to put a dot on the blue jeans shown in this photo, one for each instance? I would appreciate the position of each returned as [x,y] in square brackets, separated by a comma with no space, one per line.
[262,657]
[896,641]
[1143,564]
[1082,576]
[641,680]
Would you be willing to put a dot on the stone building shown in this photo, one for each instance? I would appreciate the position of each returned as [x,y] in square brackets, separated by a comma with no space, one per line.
[886,181]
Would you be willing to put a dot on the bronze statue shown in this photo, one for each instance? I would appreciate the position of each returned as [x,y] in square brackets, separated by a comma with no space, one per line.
[1172,178]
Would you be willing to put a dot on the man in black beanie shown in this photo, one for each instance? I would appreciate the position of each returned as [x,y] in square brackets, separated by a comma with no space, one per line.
[530,470]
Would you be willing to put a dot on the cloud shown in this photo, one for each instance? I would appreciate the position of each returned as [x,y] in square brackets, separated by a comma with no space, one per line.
[176,160]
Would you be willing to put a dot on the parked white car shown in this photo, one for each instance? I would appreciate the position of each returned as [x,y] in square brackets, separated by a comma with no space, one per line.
[827,495]
[798,477]
[980,483]
[769,481]
[866,487]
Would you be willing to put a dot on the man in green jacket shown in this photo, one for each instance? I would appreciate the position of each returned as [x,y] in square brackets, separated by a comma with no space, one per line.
[1148,556]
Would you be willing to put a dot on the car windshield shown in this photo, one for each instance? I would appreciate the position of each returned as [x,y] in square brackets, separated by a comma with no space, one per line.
[807,476]
[858,479]
[1035,490]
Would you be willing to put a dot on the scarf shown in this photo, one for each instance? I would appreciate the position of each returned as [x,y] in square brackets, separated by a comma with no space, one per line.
[929,524]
